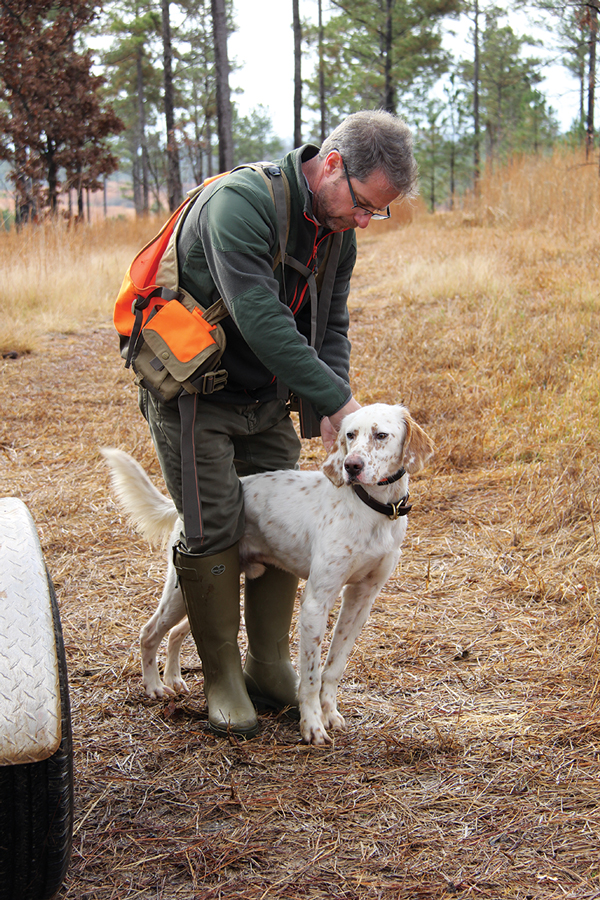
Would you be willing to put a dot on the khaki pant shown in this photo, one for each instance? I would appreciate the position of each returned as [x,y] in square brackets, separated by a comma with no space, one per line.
[231,441]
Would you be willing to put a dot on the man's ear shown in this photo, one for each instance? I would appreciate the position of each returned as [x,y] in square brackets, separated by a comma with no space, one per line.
[332,163]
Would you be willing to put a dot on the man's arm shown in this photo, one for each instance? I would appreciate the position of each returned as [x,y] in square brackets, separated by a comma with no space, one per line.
[237,247]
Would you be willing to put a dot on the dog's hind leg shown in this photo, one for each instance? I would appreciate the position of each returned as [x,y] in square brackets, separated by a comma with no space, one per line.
[172,675]
[170,611]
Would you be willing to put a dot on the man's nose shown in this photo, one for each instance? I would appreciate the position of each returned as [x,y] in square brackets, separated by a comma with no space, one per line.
[362,219]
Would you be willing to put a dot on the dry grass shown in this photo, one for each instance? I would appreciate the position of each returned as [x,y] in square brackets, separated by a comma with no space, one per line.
[57,278]
[561,191]
[471,763]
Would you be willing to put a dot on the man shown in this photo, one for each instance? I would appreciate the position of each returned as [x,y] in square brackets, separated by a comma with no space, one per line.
[227,248]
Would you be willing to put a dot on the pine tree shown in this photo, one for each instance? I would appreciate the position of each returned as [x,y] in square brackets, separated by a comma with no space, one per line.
[134,79]
[224,112]
[196,88]
[376,51]
[577,32]
[297,73]
[514,114]
[444,145]
[174,190]
[53,118]
[253,137]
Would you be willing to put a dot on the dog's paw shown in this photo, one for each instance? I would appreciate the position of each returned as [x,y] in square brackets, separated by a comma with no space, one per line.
[157,690]
[334,719]
[313,731]
[176,683]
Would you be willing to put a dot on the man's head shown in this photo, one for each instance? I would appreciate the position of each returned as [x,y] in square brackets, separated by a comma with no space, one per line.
[364,164]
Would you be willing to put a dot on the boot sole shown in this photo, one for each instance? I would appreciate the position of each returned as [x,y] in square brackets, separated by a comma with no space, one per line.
[235,732]
[266,704]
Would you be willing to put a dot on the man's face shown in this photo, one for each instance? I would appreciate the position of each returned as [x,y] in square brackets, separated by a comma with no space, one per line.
[333,201]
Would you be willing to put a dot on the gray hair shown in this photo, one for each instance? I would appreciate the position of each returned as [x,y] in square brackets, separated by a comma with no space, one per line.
[373,140]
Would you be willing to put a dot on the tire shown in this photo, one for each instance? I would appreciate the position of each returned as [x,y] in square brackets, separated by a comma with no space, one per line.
[36,807]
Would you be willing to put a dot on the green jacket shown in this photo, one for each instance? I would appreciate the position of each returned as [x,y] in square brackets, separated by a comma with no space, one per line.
[226,249]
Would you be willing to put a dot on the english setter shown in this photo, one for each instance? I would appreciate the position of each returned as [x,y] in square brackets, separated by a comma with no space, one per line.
[340,529]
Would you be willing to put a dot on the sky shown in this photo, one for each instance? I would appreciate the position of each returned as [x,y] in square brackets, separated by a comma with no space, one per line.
[263,46]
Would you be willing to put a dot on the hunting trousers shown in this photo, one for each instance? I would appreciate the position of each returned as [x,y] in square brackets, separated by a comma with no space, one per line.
[230,441]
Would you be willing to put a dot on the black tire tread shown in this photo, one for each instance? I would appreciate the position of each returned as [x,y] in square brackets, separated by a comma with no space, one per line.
[36,807]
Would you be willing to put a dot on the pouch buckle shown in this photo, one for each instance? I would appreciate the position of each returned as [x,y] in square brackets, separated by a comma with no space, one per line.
[211,382]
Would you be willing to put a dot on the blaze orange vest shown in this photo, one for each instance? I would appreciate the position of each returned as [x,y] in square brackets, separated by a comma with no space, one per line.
[171,345]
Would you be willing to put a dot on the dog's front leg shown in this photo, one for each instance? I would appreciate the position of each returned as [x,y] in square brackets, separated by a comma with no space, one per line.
[313,622]
[357,600]
[170,611]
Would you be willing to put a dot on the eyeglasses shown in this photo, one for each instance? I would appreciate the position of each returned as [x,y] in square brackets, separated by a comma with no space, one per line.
[367,212]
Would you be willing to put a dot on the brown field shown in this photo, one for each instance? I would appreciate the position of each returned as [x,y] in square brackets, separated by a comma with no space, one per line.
[470,766]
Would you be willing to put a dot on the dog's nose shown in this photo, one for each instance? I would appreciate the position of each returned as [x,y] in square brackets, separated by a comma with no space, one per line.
[354,466]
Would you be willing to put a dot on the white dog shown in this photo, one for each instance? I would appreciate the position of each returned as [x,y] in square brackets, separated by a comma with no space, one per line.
[341,528]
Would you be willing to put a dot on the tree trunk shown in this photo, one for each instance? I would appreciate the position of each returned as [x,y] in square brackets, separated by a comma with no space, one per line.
[52,179]
[581,95]
[25,206]
[433,140]
[389,102]
[174,189]
[136,183]
[322,104]
[79,195]
[209,155]
[452,171]
[142,128]
[297,74]
[593,20]
[224,118]
[476,142]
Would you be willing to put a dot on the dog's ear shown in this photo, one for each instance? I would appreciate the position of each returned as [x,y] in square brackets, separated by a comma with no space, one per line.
[333,466]
[418,447]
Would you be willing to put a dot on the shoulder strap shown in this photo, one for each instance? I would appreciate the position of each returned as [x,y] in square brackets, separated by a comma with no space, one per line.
[279,188]
[326,292]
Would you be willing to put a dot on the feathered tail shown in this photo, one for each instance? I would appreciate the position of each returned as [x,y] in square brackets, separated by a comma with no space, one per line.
[152,514]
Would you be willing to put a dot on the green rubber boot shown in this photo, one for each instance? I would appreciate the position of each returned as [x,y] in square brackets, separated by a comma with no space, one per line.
[268,607]
[211,592]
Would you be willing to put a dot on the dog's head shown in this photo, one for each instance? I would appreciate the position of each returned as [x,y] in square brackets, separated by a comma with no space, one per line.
[373,443]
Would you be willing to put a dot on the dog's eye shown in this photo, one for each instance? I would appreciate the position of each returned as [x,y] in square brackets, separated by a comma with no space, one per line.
[381,435]
[350,435]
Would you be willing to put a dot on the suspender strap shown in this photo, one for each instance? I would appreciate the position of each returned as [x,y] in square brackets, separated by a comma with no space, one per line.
[327,289]
[281,207]
[319,315]
[312,287]
[190,491]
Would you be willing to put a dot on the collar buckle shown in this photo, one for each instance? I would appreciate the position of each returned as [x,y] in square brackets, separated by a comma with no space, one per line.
[400,508]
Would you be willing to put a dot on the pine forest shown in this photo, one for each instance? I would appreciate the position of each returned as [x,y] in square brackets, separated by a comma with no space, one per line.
[131,102]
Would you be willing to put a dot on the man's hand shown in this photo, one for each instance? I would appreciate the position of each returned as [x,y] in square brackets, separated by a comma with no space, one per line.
[331,425]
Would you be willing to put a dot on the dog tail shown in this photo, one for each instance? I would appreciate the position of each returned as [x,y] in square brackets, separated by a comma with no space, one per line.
[152,514]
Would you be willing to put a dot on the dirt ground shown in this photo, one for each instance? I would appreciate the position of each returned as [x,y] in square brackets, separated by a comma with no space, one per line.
[470,766]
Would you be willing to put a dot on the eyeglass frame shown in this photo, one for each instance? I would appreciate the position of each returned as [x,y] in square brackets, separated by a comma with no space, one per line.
[378,216]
